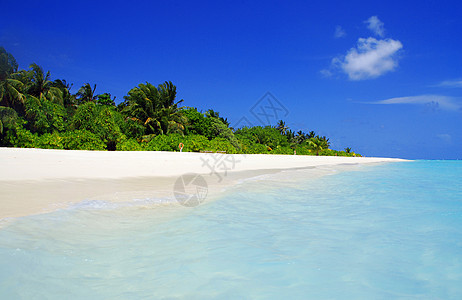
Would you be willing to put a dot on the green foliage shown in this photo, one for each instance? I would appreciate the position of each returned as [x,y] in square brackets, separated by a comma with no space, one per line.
[214,114]
[50,141]
[317,144]
[8,122]
[86,94]
[165,143]
[105,99]
[196,143]
[281,126]
[99,120]
[221,144]
[197,123]
[82,140]
[38,112]
[255,149]
[282,150]
[155,108]
[129,127]
[68,99]
[22,138]
[43,115]
[10,88]
[268,136]
[8,117]
[220,130]
[39,85]
[129,145]
[8,64]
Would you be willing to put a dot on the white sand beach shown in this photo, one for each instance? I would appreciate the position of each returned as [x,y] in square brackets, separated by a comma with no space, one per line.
[36,180]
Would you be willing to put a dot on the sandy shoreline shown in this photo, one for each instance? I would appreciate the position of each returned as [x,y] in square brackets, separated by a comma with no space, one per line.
[36,180]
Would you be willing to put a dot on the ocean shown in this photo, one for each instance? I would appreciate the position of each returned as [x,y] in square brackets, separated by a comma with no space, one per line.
[365,232]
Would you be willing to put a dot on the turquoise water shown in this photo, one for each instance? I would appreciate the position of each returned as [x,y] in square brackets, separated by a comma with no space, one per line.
[378,232]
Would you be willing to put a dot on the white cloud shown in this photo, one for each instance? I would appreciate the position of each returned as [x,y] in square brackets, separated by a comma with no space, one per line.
[326,73]
[444,137]
[432,101]
[452,83]
[375,25]
[370,59]
[339,32]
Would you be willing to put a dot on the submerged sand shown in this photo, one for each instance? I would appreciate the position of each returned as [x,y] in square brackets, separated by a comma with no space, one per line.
[37,180]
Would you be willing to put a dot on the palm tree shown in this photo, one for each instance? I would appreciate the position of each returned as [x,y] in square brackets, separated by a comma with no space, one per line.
[140,105]
[8,64]
[167,94]
[10,87]
[301,137]
[290,135]
[65,88]
[317,145]
[169,116]
[281,126]
[10,93]
[171,120]
[325,142]
[8,117]
[86,94]
[41,87]
[155,108]
[347,149]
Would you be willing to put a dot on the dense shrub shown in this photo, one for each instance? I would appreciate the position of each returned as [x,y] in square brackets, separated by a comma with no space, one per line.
[8,121]
[129,145]
[129,127]
[164,143]
[43,115]
[198,123]
[254,149]
[221,144]
[21,137]
[82,140]
[50,141]
[101,120]
[268,136]
[195,143]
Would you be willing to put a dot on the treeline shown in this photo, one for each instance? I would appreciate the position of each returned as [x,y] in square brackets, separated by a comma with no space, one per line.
[38,112]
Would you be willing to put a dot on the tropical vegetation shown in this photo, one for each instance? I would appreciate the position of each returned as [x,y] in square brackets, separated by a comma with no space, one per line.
[39,112]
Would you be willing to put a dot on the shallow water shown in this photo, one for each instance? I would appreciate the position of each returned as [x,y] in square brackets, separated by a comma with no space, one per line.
[387,231]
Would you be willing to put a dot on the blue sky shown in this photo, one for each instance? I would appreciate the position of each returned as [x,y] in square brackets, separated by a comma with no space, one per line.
[384,78]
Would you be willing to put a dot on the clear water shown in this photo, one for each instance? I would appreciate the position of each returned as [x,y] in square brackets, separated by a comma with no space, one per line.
[379,232]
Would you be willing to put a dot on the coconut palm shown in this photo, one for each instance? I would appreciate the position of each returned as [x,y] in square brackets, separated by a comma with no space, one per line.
[41,87]
[8,64]
[86,94]
[10,93]
[171,120]
[8,117]
[316,144]
[10,87]
[281,126]
[300,137]
[155,108]
[140,105]
[65,88]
